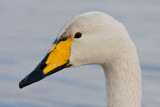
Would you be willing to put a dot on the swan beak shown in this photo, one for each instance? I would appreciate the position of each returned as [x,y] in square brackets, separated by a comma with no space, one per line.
[56,59]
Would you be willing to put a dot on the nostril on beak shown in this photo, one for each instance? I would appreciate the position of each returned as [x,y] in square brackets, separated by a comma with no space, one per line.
[43,66]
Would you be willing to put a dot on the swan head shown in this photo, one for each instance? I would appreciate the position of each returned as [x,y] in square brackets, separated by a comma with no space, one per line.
[89,38]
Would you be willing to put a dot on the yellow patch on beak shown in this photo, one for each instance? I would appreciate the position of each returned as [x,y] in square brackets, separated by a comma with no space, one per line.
[58,55]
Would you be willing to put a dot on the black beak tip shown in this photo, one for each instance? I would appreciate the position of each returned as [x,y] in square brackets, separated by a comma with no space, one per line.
[21,85]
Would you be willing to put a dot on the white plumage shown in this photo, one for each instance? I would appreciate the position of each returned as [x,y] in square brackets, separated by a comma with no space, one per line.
[105,41]
[101,40]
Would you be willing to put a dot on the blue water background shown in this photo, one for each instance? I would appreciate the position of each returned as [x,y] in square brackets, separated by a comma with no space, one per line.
[28,28]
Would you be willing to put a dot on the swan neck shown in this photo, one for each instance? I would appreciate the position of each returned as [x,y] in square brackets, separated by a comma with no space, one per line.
[123,81]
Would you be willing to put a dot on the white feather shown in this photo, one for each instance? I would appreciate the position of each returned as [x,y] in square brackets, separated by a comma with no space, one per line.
[105,41]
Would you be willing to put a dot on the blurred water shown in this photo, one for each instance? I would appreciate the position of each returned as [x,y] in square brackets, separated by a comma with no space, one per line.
[27,29]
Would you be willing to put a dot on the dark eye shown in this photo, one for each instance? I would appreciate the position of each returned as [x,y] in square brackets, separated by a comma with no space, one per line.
[78,35]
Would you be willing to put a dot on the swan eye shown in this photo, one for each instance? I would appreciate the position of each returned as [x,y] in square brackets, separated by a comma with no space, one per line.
[78,35]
